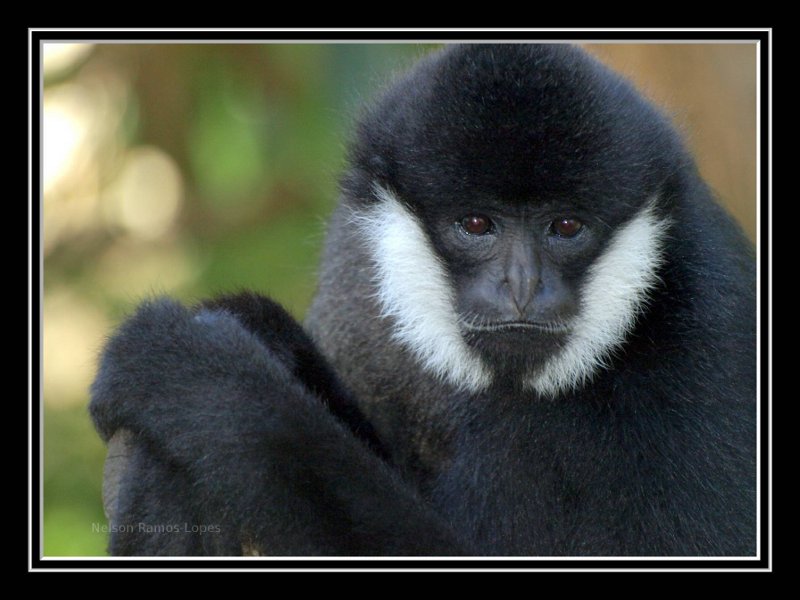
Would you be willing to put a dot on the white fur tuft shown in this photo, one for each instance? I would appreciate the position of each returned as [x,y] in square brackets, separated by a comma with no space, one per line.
[414,291]
[616,290]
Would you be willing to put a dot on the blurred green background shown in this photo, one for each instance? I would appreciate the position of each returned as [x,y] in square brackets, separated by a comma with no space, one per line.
[196,169]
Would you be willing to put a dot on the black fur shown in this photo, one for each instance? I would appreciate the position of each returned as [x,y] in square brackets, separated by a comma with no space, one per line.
[285,337]
[238,421]
[656,456]
[232,452]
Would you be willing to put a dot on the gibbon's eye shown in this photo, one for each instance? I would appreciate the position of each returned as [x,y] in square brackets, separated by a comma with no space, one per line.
[476,224]
[566,228]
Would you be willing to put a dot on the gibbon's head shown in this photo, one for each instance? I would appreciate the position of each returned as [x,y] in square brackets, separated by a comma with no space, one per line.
[510,198]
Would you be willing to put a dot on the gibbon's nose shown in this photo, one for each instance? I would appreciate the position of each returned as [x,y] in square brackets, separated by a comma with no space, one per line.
[522,277]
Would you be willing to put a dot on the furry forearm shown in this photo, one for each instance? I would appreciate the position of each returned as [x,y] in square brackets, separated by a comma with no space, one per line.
[267,461]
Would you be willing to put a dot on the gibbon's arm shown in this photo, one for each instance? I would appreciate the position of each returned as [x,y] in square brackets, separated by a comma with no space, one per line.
[225,441]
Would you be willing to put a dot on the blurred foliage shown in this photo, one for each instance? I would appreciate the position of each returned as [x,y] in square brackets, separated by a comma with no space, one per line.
[180,169]
[73,466]
[194,169]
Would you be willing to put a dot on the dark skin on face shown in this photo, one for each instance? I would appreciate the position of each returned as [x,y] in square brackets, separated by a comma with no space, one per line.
[516,280]
[516,272]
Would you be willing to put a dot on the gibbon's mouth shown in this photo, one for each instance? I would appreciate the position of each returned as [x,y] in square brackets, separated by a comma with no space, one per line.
[503,326]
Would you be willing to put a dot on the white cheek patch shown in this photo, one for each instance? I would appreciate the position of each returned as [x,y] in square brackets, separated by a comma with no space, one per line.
[414,291]
[616,290]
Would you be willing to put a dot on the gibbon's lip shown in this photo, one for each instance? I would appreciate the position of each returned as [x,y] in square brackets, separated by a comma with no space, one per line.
[499,326]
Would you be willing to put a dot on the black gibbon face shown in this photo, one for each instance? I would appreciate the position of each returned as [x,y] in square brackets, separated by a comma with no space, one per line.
[516,275]
[512,214]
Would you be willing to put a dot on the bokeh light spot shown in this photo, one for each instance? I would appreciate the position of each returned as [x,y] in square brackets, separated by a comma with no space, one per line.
[74,331]
[58,57]
[64,134]
[149,193]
